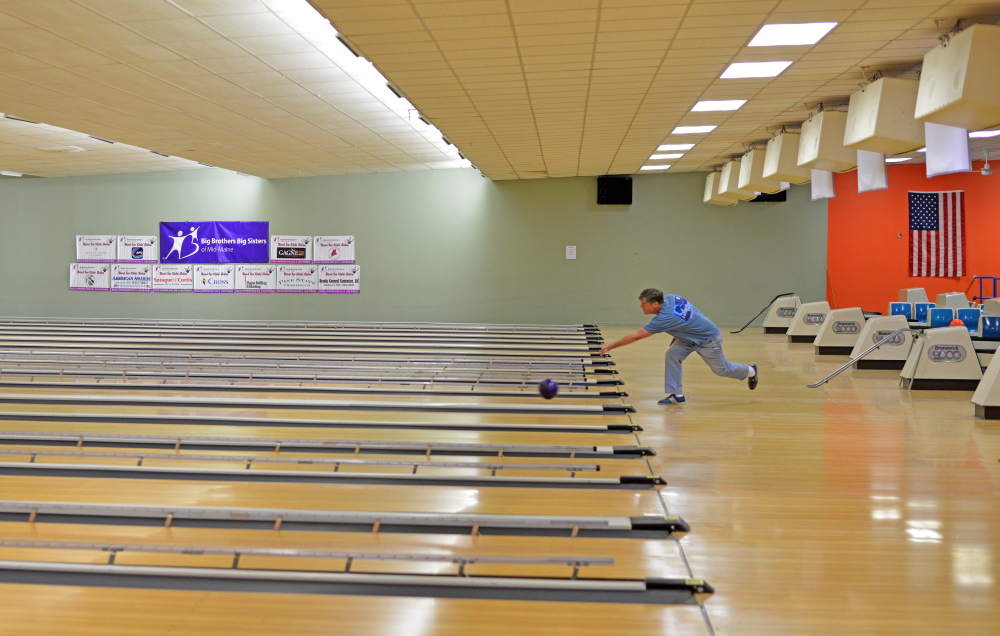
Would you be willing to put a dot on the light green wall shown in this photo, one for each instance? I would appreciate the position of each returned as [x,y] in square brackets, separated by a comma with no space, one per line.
[443,245]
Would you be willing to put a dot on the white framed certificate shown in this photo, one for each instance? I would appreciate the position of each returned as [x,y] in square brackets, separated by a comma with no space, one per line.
[90,276]
[138,249]
[131,277]
[298,279]
[173,278]
[214,279]
[340,279]
[256,278]
[333,250]
[95,248]
[291,249]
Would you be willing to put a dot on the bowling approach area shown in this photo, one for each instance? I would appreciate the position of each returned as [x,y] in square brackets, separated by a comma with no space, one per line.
[304,478]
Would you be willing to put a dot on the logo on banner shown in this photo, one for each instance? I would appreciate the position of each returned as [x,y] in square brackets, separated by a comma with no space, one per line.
[291,252]
[946,353]
[786,312]
[137,252]
[186,245]
[814,319]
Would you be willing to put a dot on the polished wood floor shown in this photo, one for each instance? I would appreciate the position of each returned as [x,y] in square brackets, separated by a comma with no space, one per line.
[855,508]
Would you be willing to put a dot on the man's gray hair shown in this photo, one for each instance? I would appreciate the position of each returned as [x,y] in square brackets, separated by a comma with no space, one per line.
[651,296]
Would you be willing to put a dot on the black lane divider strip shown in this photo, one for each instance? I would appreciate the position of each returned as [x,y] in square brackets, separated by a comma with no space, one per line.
[646,526]
[308,405]
[209,420]
[625,482]
[145,384]
[648,591]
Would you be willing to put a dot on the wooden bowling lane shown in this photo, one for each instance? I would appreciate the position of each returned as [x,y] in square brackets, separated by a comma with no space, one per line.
[35,610]
[634,559]
[441,500]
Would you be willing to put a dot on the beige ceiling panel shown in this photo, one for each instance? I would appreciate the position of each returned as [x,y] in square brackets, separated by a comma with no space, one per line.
[269,45]
[807,5]
[51,12]
[463,8]
[169,31]
[248,25]
[656,24]
[557,17]
[52,76]
[296,61]
[880,26]
[726,8]
[220,7]
[19,62]
[372,13]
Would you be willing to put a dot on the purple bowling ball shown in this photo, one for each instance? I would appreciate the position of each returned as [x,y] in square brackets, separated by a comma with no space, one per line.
[548,388]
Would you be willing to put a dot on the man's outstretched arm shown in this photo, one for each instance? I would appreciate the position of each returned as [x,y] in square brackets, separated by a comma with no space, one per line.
[627,340]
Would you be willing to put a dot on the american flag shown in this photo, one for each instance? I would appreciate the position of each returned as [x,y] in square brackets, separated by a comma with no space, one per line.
[937,233]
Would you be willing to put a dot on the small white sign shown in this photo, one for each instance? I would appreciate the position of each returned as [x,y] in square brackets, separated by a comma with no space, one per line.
[298,279]
[256,279]
[173,278]
[137,249]
[90,276]
[291,249]
[95,248]
[340,279]
[214,279]
[333,249]
[131,277]
[571,251]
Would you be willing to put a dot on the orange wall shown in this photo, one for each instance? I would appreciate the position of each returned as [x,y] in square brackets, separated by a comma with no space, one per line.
[868,262]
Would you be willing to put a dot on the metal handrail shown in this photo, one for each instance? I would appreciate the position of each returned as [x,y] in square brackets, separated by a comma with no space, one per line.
[875,346]
[763,310]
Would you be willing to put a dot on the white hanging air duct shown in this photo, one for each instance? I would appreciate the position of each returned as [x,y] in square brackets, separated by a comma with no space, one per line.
[959,84]
[712,191]
[782,158]
[729,183]
[821,146]
[751,173]
[880,118]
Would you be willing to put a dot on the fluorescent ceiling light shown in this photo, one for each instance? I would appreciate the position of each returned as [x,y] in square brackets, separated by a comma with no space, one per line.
[692,130]
[654,167]
[983,134]
[8,173]
[791,34]
[897,159]
[673,155]
[675,147]
[924,149]
[737,70]
[725,104]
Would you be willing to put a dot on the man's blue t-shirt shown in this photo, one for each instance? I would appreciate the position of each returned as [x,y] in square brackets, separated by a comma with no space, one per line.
[680,319]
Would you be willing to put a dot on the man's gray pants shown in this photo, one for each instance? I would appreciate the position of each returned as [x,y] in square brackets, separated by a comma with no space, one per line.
[710,352]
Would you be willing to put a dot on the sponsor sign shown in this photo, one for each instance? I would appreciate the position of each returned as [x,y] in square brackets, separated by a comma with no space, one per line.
[131,277]
[95,248]
[214,279]
[895,341]
[333,249]
[291,249]
[173,278]
[90,276]
[214,242]
[946,353]
[340,279]
[814,319]
[256,279]
[137,249]
[846,326]
[786,312]
[297,279]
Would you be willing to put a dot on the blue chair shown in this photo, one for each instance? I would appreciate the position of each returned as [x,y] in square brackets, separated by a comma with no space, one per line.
[920,311]
[970,317]
[989,327]
[940,316]
[901,309]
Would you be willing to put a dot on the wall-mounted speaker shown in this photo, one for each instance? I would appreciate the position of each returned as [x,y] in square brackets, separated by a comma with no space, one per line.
[614,190]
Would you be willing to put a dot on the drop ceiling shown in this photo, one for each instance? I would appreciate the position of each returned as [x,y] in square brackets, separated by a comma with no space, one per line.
[524,89]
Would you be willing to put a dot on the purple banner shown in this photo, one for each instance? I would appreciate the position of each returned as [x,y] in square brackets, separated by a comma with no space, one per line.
[214,242]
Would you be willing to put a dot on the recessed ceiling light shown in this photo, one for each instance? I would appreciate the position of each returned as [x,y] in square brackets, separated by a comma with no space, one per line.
[692,130]
[791,34]
[62,149]
[725,104]
[737,70]
[897,159]
[673,155]
[983,134]
[654,167]
[675,147]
